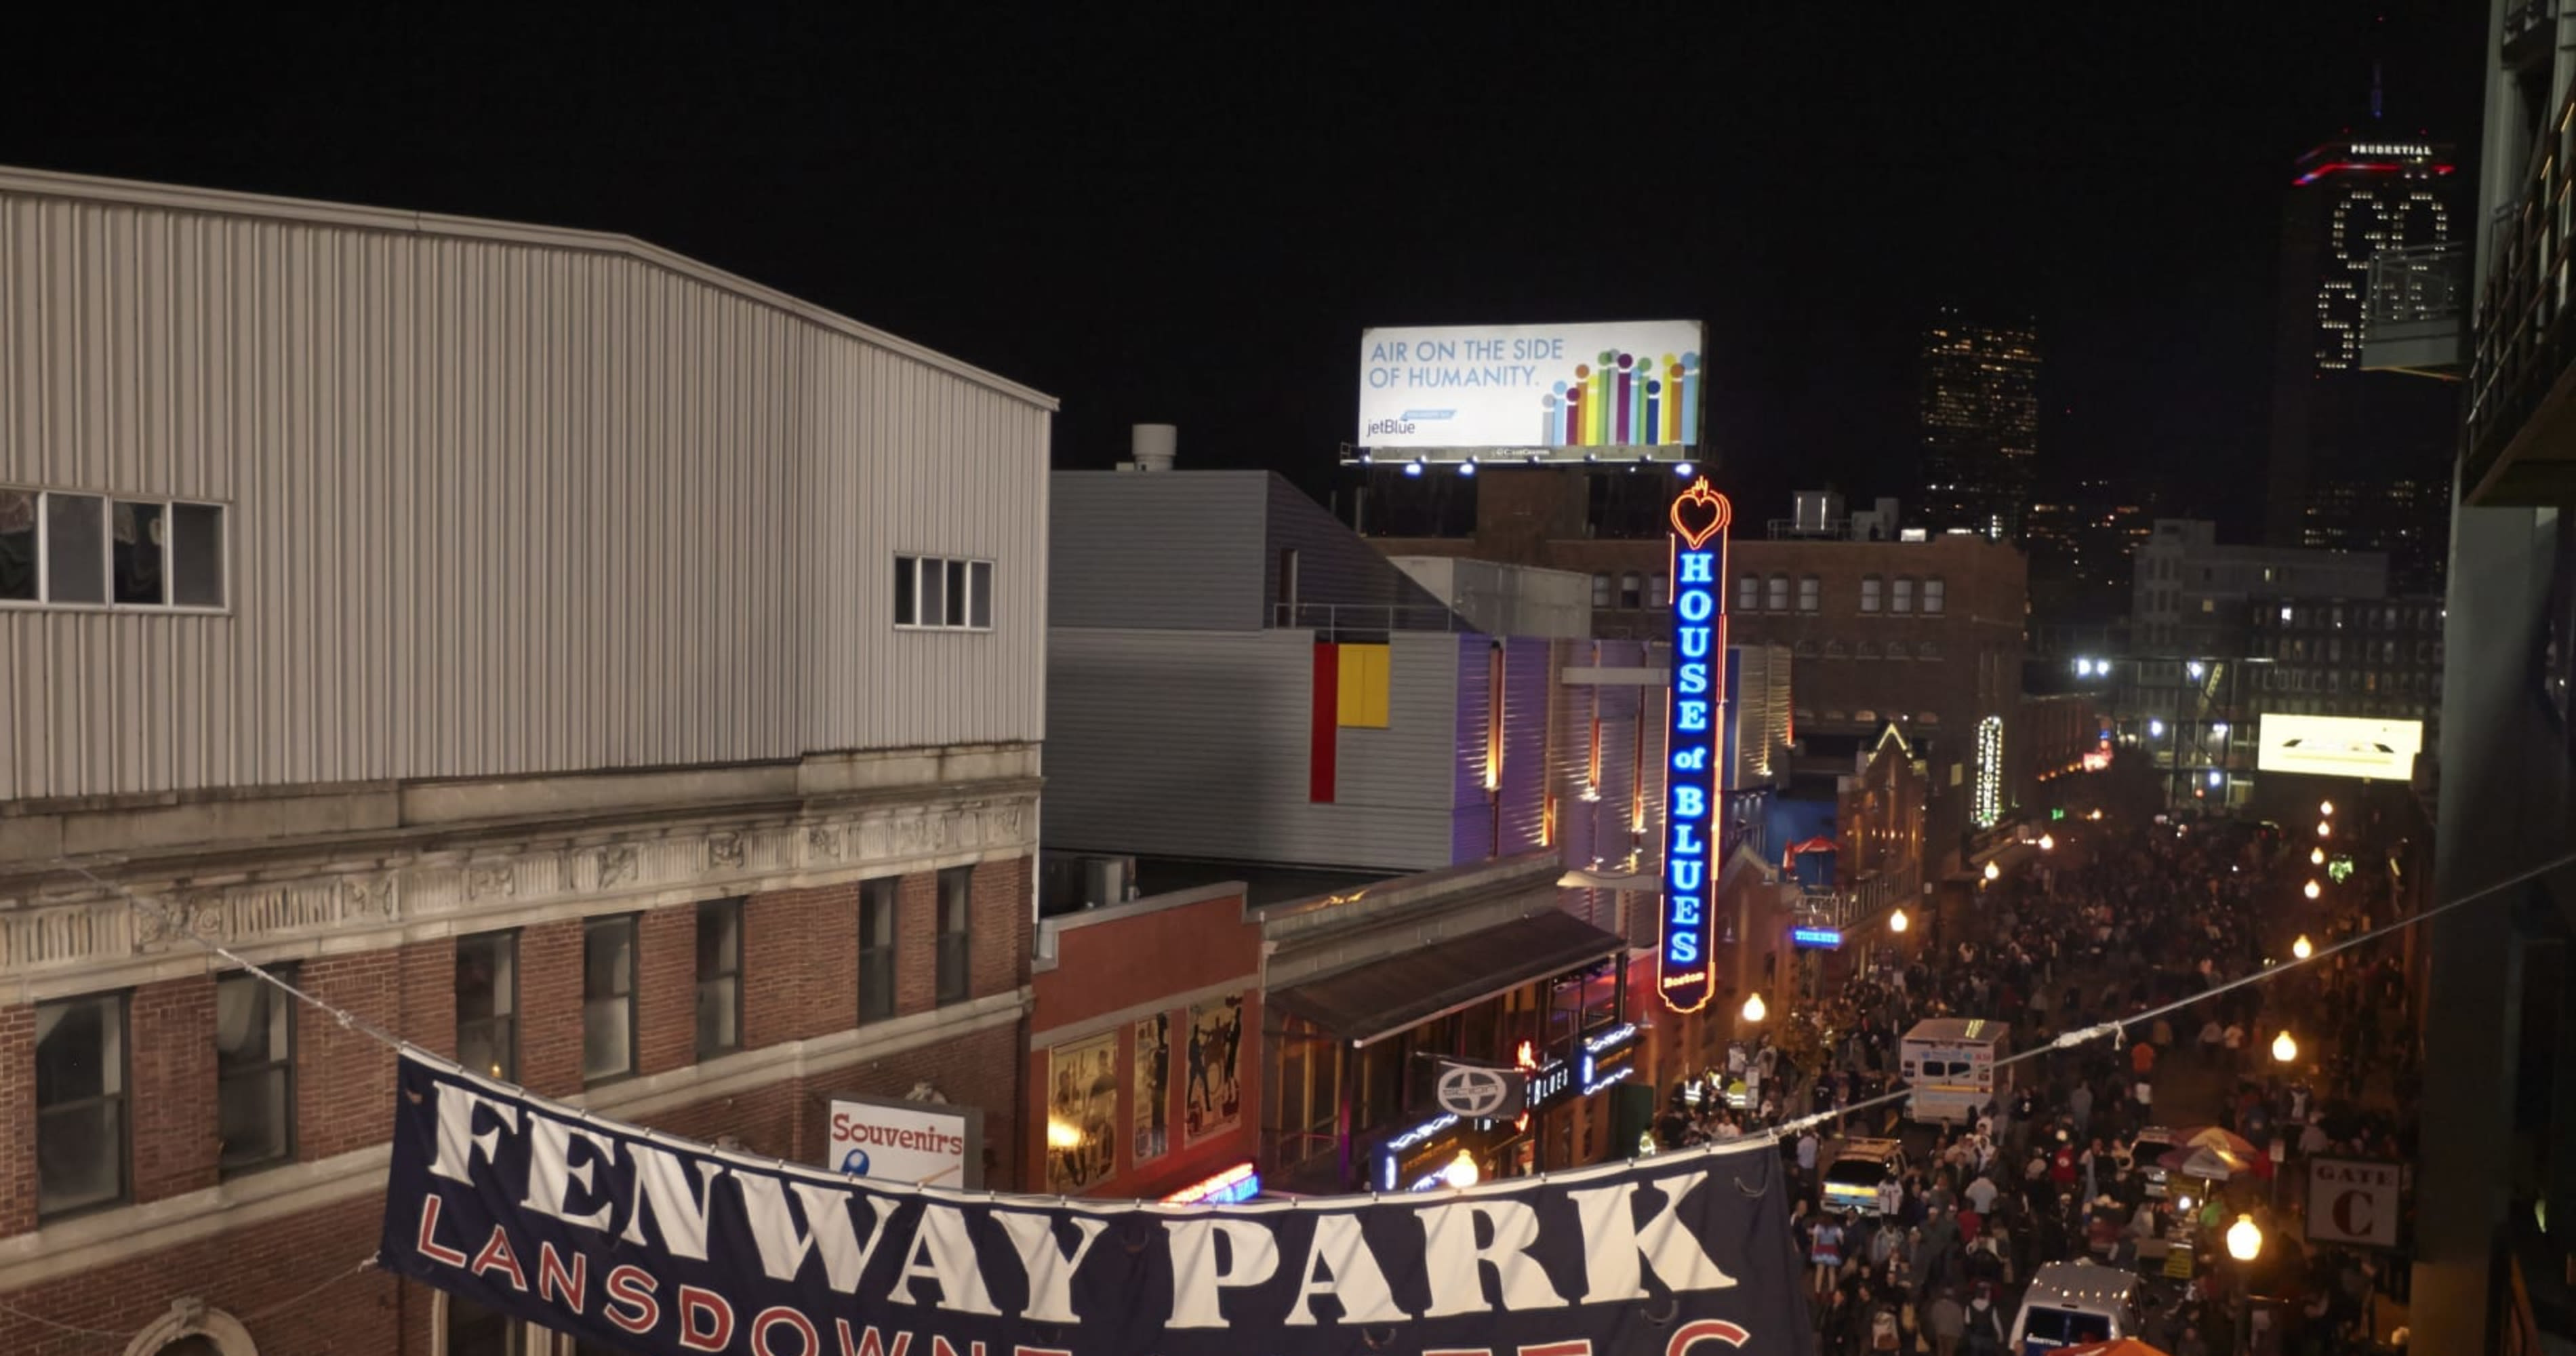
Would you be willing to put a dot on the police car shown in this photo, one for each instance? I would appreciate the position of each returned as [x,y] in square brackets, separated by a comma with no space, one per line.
[1852,1181]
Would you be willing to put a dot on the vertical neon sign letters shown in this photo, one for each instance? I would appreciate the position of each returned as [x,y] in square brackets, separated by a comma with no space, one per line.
[1686,974]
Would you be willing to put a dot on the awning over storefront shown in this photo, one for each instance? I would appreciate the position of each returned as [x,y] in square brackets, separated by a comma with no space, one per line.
[1384,997]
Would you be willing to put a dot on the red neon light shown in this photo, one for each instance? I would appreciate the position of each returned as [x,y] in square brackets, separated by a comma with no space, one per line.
[1699,514]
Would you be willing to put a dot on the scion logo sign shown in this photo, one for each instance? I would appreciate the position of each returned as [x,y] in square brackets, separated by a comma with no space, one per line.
[1475,1092]
[639,1242]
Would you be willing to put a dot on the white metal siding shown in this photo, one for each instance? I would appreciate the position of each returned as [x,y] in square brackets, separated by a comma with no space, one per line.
[1195,744]
[497,508]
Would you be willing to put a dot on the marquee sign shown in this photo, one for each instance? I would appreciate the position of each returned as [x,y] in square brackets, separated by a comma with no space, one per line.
[641,1242]
[1686,972]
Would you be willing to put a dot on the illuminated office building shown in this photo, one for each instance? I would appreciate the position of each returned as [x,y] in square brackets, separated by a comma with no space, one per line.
[1980,423]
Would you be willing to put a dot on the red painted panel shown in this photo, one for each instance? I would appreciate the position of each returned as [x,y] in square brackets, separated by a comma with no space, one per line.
[1323,745]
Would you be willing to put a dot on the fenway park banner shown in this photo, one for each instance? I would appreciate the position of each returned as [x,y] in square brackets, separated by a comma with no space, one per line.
[649,1244]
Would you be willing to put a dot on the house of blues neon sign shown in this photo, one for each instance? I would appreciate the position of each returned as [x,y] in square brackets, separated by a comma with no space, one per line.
[1686,974]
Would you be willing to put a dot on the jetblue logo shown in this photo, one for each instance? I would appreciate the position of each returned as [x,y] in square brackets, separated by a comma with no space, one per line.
[1386,426]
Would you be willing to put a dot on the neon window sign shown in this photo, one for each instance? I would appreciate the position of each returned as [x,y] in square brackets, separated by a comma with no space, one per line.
[1695,719]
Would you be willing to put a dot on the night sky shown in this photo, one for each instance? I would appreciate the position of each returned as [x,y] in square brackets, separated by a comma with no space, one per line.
[1190,220]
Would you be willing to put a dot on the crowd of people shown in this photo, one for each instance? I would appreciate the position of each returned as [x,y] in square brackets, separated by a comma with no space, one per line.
[2053,1169]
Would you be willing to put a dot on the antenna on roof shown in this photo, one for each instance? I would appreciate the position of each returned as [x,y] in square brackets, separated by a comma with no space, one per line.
[2375,100]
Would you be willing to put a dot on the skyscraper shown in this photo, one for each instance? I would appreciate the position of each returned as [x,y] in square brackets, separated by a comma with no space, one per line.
[2359,459]
[1980,423]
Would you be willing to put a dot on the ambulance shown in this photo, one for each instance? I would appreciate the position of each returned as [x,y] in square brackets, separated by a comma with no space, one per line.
[1953,1067]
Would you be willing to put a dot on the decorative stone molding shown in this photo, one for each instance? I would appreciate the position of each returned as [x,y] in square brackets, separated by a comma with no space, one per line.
[285,900]
[192,1317]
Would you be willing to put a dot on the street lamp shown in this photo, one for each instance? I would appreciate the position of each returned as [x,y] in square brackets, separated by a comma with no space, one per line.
[2244,1239]
[2316,856]
[2048,842]
[1994,872]
[1898,922]
[2311,890]
[2325,807]
[1462,1170]
[2284,1049]
[2324,829]
[1753,1009]
[2301,949]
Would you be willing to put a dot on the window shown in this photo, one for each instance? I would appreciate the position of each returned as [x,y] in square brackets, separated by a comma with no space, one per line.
[956,892]
[472,1330]
[80,1104]
[876,949]
[1869,584]
[1659,589]
[719,977]
[1631,593]
[1748,593]
[1600,590]
[1900,597]
[1778,596]
[77,550]
[254,1071]
[936,593]
[607,998]
[1933,589]
[1810,593]
[487,1004]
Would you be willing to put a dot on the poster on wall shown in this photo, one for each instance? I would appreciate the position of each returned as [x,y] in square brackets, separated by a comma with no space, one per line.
[641,1242]
[1537,389]
[1082,1113]
[1213,1101]
[1153,1133]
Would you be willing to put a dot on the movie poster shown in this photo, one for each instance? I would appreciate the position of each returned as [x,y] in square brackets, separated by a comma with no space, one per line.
[1213,1097]
[1153,1133]
[1082,1113]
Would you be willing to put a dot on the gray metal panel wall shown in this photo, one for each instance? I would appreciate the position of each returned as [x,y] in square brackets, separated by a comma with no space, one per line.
[1195,744]
[497,508]
[1334,564]
[1159,550]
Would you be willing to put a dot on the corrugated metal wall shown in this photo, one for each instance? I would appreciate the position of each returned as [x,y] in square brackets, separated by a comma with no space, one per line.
[497,508]
[1159,550]
[1195,743]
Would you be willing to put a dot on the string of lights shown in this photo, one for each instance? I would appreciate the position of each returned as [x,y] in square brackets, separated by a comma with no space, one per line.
[2069,1040]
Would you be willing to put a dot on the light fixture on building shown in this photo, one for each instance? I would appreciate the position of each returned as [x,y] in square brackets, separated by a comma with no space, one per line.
[1462,1170]
[1467,467]
[1898,922]
[2284,1049]
[2155,729]
[1682,469]
[2218,728]
[1754,1011]
[1063,1135]
[1994,872]
[2324,829]
[2195,669]
[2326,808]
[1413,468]
[2316,856]
[2216,778]
[2048,842]
[2244,1239]
[2312,889]
[2300,948]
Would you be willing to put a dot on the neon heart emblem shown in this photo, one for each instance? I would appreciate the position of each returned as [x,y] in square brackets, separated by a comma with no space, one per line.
[1699,514]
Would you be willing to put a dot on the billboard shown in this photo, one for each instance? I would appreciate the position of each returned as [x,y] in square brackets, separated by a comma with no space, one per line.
[1559,391]
[931,1143]
[2340,746]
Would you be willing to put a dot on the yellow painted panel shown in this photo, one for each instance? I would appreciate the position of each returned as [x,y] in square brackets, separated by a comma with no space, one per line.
[1363,688]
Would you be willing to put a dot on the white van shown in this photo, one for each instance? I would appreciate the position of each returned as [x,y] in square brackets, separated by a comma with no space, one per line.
[1952,1067]
[2072,1303]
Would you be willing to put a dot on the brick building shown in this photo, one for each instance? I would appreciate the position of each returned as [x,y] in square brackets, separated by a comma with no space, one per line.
[1926,635]
[337,642]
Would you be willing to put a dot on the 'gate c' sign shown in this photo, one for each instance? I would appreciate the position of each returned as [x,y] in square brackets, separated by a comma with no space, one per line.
[2355,1201]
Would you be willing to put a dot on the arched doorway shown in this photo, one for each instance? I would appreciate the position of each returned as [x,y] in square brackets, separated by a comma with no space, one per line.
[192,1329]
